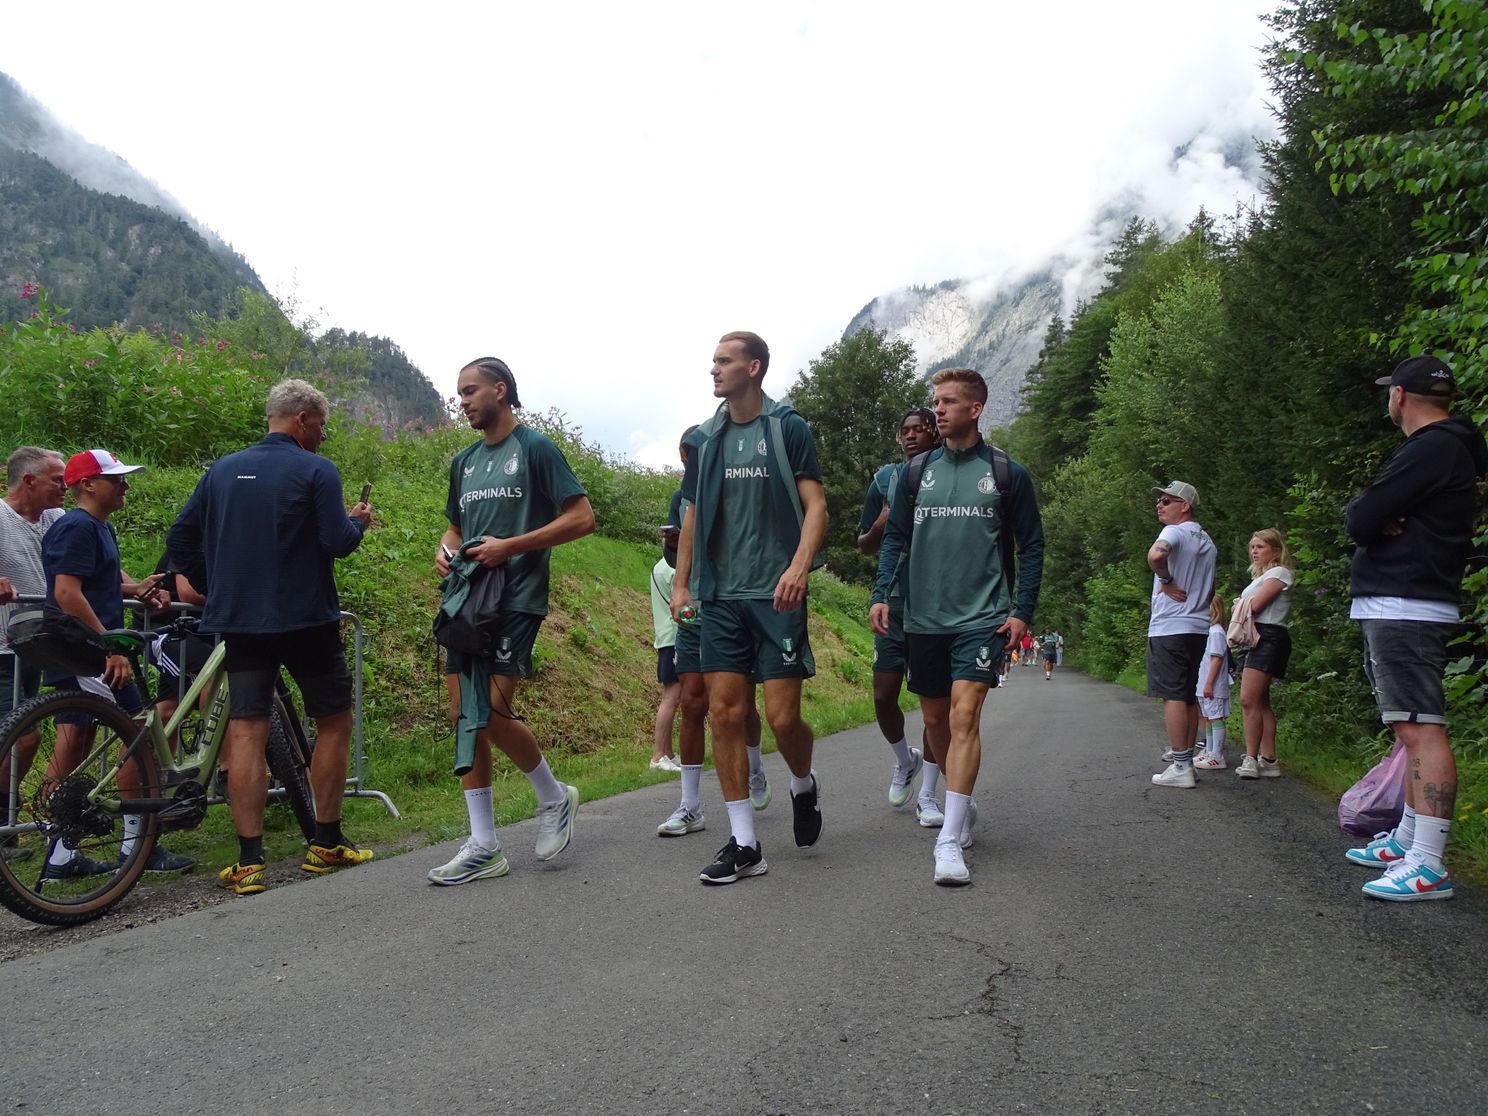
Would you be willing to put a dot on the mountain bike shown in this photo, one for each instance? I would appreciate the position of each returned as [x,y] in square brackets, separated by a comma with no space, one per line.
[73,765]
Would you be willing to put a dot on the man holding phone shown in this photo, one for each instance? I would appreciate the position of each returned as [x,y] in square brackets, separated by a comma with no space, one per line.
[260,537]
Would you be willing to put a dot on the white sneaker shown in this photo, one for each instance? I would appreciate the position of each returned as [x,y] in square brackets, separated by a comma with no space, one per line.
[901,786]
[1268,768]
[682,822]
[759,790]
[971,819]
[928,814]
[1248,768]
[473,862]
[555,824]
[950,865]
[1172,777]
[1209,763]
[667,764]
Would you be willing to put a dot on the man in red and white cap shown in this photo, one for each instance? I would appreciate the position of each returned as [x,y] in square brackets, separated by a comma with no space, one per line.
[80,557]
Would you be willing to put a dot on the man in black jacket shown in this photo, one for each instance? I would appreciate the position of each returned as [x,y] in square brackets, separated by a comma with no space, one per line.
[1413,533]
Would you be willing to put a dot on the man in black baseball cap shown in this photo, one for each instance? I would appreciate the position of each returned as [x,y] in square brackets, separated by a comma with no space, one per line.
[1422,375]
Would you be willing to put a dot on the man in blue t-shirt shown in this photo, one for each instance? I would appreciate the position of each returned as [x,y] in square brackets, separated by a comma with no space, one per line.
[260,537]
[80,557]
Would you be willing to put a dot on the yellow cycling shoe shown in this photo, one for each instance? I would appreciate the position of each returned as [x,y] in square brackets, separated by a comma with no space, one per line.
[243,879]
[320,860]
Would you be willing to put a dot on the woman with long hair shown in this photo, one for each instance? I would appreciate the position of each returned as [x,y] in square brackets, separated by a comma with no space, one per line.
[1269,594]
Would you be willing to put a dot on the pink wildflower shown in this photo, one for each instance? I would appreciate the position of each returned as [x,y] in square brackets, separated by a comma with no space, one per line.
[28,291]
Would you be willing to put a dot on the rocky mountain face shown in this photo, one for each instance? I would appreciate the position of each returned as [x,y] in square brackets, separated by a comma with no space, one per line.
[961,323]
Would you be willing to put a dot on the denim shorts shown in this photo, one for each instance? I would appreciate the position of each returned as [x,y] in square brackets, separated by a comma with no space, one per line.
[1403,660]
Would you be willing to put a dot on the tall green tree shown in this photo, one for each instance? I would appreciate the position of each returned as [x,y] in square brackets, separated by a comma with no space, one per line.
[853,397]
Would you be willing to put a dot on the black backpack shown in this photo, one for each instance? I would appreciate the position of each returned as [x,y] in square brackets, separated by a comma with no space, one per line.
[1002,477]
[474,629]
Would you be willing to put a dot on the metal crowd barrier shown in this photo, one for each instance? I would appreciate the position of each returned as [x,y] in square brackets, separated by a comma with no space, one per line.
[355,781]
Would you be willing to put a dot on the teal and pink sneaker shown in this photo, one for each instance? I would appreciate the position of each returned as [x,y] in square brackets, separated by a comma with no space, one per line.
[1410,881]
[1382,852]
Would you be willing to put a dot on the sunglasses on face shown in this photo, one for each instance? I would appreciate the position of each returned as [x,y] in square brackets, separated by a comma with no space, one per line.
[1164,501]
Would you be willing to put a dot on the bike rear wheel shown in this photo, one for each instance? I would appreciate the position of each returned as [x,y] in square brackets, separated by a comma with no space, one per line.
[42,745]
[288,754]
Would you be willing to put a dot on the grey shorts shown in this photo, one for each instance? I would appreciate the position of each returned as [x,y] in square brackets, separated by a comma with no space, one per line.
[1403,660]
[1173,663]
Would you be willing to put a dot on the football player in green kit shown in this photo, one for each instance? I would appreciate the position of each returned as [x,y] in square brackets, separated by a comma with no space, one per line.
[960,617]
[512,498]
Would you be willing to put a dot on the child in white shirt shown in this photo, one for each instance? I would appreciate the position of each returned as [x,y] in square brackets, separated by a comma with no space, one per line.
[1214,690]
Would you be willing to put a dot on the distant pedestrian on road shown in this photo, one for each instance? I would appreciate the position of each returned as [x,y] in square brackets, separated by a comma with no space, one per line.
[917,434]
[1049,643]
[1413,532]
[1214,690]
[756,520]
[1270,597]
[664,639]
[949,539]
[259,538]
[1182,561]
[512,498]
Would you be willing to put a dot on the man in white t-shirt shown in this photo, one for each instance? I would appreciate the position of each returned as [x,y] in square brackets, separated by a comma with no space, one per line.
[1182,562]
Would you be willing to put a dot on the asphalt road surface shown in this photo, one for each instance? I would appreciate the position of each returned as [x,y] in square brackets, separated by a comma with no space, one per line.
[1123,949]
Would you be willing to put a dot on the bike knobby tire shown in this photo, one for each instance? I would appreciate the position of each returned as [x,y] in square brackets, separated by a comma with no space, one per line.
[288,754]
[42,742]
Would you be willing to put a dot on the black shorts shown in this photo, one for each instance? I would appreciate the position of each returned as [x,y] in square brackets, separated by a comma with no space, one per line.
[666,665]
[513,654]
[12,695]
[314,658]
[1272,653]
[1173,664]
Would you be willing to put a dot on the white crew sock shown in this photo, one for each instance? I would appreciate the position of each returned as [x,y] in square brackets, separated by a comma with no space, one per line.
[900,748]
[756,758]
[799,785]
[1217,739]
[741,822]
[482,823]
[134,825]
[956,806]
[61,855]
[692,783]
[549,790]
[929,780]
[1405,832]
[1183,760]
[1431,839]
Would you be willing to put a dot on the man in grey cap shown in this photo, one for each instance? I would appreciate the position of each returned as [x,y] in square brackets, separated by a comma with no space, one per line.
[1413,531]
[1182,562]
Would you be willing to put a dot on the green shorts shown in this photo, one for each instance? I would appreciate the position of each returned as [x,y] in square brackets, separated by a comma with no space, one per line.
[888,651]
[935,661]
[750,637]
[690,647]
[513,649]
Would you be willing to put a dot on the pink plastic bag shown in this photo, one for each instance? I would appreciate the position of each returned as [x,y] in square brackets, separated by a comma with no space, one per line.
[1375,803]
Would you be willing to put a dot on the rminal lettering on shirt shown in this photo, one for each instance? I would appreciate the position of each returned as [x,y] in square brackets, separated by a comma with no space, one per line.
[736,472]
[510,492]
[922,512]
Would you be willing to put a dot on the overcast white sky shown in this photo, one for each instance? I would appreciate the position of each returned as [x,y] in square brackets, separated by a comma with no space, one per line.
[595,192]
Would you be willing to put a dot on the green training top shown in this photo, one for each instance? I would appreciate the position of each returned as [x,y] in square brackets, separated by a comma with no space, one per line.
[952,574]
[881,492]
[506,490]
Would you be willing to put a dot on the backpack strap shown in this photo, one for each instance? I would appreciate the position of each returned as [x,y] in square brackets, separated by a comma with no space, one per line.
[788,475]
[1002,477]
[913,474]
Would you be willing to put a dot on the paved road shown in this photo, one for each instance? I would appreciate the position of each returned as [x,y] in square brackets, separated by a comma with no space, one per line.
[1123,949]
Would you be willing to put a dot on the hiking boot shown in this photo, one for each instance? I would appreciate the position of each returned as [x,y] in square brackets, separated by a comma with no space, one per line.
[320,860]
[901,786]
[808,820]
[555,824]
[243,879]
[682,822]
[734,863]
[473,862]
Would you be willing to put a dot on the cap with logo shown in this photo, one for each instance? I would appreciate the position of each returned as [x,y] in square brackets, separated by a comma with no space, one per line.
[1422,375]
[95,463]
[1181,490]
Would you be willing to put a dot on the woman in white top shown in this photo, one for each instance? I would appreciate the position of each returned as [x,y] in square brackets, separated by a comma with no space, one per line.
[1270,597]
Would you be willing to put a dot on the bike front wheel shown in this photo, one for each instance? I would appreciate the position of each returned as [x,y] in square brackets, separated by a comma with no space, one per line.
[65,860]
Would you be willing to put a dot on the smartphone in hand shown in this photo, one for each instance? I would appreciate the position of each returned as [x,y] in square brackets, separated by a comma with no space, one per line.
[366,492]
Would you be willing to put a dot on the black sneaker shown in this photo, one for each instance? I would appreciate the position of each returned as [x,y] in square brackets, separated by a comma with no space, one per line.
[734,863]
[78,868]
[163,860]
[808,817]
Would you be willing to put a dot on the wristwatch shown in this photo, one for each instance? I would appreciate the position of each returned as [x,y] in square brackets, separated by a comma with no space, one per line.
[1165,580]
